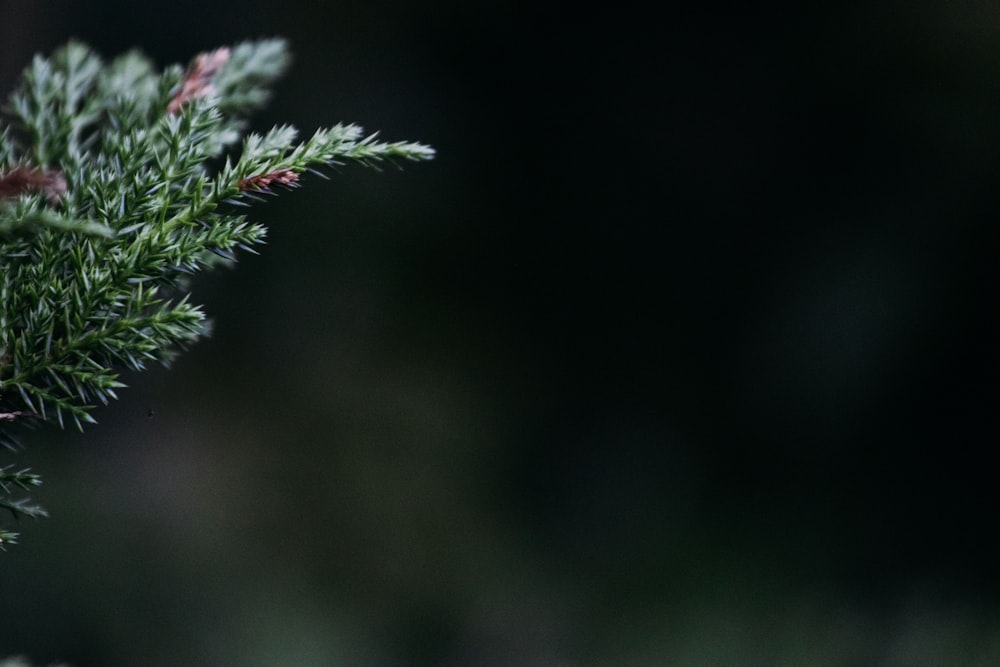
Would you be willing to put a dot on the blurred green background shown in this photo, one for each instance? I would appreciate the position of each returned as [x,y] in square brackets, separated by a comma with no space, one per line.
[684,351]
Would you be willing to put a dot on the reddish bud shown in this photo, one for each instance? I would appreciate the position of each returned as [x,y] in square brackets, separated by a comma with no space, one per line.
[197,82]
[23,179]
[262,183]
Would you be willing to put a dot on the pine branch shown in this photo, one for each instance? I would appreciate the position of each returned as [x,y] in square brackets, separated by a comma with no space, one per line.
[109,204]
[17,507]
[21,661]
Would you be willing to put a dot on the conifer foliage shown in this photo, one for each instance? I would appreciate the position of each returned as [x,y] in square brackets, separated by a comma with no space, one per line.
[118,182]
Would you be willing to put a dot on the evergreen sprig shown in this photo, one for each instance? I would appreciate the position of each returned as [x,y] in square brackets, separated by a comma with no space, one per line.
[9,480]
[109,203]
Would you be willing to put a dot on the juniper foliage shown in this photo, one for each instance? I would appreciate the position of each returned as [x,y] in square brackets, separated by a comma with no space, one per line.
[119,182]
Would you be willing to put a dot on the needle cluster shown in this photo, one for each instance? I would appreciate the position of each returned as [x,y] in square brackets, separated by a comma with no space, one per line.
[118,182]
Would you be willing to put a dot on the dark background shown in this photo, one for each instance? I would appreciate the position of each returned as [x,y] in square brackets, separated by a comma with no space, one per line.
[682,352]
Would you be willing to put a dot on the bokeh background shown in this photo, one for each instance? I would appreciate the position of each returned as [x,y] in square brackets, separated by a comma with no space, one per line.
[683,351]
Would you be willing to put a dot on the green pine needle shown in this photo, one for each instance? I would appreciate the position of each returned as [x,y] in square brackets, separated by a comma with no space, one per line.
[109,203]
